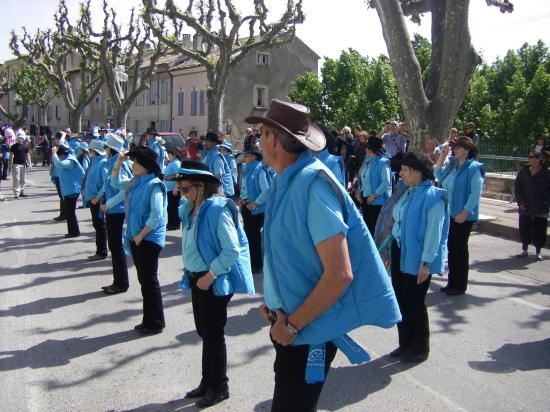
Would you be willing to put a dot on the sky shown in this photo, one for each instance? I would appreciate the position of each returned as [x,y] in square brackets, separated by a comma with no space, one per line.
[327,29]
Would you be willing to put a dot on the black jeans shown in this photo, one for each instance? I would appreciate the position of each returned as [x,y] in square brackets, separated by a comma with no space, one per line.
[292,393]
[172,211]
[458,254]
[100,231]
[114,223]
[61,203]
[4,166]
[210,313]
[532,228]
[146,260]
[252,225]
[370,215]
[69,208]
[414,328]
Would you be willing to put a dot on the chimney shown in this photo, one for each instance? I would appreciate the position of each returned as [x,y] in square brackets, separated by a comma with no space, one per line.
[186,39]
[197,41]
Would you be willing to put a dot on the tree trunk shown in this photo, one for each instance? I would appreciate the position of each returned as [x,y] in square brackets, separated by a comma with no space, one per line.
[75,117]
[121,116]
[214,110]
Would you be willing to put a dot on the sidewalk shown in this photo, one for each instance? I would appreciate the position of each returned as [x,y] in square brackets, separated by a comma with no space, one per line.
[499,218]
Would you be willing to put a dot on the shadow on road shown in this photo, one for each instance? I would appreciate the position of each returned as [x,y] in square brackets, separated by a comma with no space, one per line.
[53,352]
[172,406]
[513,357]
[55,267]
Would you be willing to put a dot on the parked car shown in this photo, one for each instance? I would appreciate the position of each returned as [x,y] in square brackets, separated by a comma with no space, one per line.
[170,140]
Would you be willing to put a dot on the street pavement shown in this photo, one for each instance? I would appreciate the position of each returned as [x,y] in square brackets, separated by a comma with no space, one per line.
[65,346]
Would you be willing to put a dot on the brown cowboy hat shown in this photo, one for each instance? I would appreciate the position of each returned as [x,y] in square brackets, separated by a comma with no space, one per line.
[466,143]
[292,118]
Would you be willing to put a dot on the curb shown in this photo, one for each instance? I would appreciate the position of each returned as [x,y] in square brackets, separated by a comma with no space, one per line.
[494,228]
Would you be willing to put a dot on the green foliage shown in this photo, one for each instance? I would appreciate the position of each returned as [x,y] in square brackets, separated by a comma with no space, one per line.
[353,90]
[509,100]
[423,51]
[33,86]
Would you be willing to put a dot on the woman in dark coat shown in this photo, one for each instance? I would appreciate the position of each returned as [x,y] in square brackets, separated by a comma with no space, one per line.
[532,190]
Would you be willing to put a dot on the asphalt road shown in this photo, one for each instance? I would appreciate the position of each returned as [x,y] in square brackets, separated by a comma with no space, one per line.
[65,346]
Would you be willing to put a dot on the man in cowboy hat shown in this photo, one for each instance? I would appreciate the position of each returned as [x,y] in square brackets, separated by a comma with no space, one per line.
[150,136]
[313,236]
[217,164]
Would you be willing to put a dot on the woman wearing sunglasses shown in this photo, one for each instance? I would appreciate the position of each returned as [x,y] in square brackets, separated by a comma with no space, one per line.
[216,264]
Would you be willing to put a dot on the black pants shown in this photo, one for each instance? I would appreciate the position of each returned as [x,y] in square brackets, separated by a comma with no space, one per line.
[61,204]
[100,231]
[252,227]
[370,215]
[69,208]
[210,313]
[146,260]
[4,166]
[172,211]
[114,223]
[458,254]
[414,328]
[533,229]
[292,393]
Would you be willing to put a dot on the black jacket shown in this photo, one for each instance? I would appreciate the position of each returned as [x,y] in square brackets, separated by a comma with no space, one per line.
[533,191]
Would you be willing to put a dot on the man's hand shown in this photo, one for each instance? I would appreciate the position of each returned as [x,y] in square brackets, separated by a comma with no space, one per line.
[370,199]
[461,217]
[138,239]
[104,208]
[205,281]
[423,274]
[251,206]
[265,313]
[95,200]
[54,150]
[279,331]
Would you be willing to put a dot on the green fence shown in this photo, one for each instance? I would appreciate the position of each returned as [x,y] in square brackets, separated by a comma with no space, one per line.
[503,158]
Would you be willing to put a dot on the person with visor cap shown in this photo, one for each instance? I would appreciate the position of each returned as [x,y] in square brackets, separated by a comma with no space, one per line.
[217,165]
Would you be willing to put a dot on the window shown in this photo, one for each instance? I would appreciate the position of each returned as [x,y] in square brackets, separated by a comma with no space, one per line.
[164,126]
[140,99]
[154,92]
[181,96]
[49,112]
[86,111]
[137,126]
[194,103]
[88,79]
[98,102]
[109,108]
[202,102]
[164,91]
[260,96]
[262,59]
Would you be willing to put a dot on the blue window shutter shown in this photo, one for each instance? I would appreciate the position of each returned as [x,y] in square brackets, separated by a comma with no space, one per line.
[194,103]
[202,101]
[180,104]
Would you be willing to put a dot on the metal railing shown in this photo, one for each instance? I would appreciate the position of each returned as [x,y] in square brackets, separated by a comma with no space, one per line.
[503,158]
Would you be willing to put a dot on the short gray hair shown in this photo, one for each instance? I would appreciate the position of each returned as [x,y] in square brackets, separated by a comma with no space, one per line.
[289,143]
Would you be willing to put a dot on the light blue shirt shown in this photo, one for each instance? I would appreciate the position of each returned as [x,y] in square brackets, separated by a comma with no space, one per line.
[264,187]
[65,164]
[394,143]
[434,227]
[325,220]
[476,186]
[385,178]
[156,203]
[229,241]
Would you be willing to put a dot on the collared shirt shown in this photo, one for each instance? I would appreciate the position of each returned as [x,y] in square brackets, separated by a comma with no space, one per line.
[394,143]
[385,178]
[229,241]
[434,225]
[476,186]
[264,187]
[325,220]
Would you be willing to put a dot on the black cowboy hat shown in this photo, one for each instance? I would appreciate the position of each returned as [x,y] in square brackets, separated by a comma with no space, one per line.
[292,118]
[195,171]
[212,137]
[375,144]
[146,157]
[254,151]
[151,130]
[420,162]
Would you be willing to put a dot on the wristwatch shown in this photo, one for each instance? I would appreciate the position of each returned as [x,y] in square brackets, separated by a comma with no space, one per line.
[291,330]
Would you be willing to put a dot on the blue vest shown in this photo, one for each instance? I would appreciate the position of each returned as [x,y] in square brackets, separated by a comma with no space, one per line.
[335,164]
[232,166]
[296,267]
[239,278]
[413,229]
[70,180]
[110,191]
[159,150]
[227,180]
[251,179]
[139,208]
[96,177]
[461,189]
[378,163]
[171,169]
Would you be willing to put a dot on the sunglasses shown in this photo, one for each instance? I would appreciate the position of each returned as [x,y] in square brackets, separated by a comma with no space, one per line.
[185,189]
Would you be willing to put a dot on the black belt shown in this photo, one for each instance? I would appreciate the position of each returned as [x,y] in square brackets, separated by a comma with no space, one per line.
[197,275]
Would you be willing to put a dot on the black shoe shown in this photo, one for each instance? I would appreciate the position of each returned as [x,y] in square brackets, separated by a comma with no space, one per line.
[397,353]
[69,235]
[23,195]
[198,392]
[140,326]
[113,290]
[211,398]
[454,292]
[412,357]
[444,288]
[59,218]
[107,287]
[149,331]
